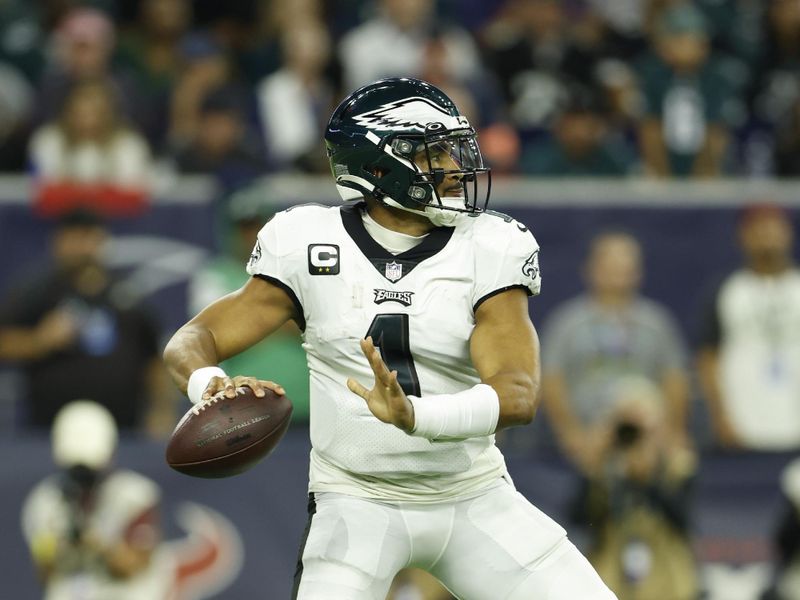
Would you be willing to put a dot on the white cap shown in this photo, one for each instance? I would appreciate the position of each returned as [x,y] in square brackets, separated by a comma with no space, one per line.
[84,433]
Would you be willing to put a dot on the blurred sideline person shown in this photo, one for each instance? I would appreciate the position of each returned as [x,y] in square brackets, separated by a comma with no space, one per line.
[416,292]
[279,357]
[609,332]
[637,500]
[75,337]
[749,357]
[93,531]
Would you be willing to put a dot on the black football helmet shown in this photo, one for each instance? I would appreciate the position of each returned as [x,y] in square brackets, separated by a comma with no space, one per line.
[382,136]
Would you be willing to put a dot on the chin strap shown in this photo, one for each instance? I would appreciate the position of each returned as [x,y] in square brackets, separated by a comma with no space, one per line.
[438,216]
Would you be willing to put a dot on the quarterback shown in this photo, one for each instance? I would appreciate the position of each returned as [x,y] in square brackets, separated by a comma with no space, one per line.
[412,298]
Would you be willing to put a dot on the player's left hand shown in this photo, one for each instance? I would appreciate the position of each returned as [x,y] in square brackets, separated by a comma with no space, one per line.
[386,400]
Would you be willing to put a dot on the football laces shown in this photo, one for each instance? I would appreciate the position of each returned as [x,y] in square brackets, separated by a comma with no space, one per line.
[198,408]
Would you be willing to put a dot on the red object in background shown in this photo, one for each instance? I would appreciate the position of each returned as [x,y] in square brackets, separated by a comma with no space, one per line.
[56,198]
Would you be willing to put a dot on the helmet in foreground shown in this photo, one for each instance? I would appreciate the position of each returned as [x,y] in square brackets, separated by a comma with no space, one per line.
[84,434]
[398,140]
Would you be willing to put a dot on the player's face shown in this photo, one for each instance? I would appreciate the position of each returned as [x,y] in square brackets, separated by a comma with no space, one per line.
[442,155]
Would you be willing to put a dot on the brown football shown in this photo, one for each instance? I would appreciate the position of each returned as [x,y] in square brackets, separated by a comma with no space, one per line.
[227,436]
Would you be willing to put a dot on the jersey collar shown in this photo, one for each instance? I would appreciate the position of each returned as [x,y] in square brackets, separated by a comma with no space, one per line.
[380,256]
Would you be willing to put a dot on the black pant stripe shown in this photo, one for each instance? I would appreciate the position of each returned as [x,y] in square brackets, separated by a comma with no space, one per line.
[298,573]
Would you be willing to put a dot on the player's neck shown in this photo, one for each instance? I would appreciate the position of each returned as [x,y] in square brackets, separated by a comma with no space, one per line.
[399,220]
[391,240]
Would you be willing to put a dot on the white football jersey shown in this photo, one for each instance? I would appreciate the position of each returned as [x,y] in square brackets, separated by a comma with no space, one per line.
[419,307]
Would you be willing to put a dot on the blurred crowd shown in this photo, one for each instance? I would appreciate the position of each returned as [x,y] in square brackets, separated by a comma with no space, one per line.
[105,98]
[104,101]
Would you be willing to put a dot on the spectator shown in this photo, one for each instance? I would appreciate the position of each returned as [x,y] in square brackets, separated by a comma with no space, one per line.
[223,144]
[479,100]
[581,144]
[75,337]
[393,43]
[261,54]
[787,148]
[91,528]
[16,99]
[205,67]
[295,101]
[749,357]
[624,24]
[691,101]
[83,47]
[90,157]
[23,37]
[607,333]
[775,86]
[152,53]
[637,500]
[735,27]
[281,356]
[529,50]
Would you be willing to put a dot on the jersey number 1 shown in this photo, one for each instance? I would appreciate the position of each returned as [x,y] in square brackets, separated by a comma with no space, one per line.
[389,333]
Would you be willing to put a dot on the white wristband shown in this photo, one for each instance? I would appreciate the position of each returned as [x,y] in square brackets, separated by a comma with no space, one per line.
[198,382]
[471,413]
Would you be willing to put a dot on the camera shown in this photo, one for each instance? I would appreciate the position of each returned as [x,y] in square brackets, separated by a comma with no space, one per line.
[626,434]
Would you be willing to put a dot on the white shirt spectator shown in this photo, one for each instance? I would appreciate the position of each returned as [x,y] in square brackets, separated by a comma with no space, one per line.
[124,160]
[379,48]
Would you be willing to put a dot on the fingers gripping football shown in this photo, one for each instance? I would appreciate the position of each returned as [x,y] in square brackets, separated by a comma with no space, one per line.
[386,400]
[227,386]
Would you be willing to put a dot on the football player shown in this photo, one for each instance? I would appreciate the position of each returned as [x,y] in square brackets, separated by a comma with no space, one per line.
[413,302]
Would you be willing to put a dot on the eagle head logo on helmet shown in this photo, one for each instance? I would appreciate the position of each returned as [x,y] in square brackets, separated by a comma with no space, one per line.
[381,137]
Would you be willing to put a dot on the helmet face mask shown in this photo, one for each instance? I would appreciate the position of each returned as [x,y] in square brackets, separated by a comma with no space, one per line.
[403,142]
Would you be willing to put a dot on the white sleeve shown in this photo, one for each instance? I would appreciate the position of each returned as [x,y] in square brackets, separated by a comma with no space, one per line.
[266,257]
[270,258]
[507,257]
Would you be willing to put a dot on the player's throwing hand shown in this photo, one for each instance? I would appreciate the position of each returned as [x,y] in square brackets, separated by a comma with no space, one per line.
[227,386]
[386,400]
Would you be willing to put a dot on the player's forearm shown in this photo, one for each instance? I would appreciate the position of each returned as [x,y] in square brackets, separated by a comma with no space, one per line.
[191,348]
[518,395]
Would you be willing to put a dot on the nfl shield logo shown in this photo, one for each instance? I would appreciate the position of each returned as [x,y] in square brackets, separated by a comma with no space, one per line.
[394,271]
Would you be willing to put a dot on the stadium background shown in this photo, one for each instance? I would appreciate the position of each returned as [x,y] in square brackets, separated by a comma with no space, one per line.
[686,224]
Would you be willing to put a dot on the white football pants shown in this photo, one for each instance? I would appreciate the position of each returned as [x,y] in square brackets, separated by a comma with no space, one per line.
[497,546]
